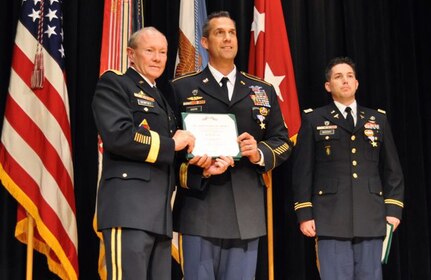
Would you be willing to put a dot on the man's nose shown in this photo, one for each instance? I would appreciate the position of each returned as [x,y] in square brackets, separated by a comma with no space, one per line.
[157,56]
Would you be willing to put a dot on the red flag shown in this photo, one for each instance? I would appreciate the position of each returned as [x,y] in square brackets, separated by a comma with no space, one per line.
[118,20]
[270,59]
[35,148]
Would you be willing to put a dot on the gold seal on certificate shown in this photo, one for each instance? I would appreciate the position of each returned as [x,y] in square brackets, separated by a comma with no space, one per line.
[216,134]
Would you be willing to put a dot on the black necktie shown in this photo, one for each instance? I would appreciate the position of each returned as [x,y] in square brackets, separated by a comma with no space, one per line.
[349,118]
[225,91]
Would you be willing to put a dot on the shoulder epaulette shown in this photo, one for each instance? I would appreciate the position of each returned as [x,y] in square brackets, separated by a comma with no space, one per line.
[309,110]
[381,111]
[185,75]
[119,73]
[255,78]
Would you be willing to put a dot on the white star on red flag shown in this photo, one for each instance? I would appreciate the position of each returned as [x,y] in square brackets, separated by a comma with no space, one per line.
[274,80]
[270,58]
[258,24]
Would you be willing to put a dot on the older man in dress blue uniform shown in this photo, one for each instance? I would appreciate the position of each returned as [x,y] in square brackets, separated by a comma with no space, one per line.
[139,135]
[220,206]
[348,181]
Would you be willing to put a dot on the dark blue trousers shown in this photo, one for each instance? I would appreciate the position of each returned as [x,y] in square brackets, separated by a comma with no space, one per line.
[219,259]
[357,259]
[136,254]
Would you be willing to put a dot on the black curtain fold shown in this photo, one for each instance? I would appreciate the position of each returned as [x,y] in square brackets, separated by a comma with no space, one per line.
[388,39]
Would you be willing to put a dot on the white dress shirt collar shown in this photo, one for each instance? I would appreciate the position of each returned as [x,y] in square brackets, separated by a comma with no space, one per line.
[231,76]
[342,108]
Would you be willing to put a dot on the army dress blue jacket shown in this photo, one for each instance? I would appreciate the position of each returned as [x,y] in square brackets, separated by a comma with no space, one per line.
[136,125]
[347,181]
[230,205]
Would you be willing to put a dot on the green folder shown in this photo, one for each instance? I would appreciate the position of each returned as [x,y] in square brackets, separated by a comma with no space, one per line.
[387,243]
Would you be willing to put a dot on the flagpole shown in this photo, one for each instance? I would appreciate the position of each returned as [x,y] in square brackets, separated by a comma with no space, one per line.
[270,224]
[30,234]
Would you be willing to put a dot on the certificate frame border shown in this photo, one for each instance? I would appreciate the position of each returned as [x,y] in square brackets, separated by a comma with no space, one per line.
[232,116]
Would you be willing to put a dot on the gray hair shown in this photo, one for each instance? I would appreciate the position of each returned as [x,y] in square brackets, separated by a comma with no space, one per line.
[132,43]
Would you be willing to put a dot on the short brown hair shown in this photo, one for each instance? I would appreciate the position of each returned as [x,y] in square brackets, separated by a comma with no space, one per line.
[336,61]
[206,25]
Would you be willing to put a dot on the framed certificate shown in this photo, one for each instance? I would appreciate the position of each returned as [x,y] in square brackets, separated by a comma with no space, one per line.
[216,134]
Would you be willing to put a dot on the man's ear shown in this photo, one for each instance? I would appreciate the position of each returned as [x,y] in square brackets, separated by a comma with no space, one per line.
[130,54]
[204,42]
[327,87]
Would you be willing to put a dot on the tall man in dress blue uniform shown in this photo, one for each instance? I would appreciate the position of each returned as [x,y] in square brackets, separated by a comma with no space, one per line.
[348,181]
[220,207]
[138,130]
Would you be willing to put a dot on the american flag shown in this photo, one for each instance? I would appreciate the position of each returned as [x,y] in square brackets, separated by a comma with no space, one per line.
[36,148]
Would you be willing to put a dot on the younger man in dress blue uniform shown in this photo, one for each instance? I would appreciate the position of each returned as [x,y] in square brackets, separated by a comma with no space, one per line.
[348,181]
[219,207]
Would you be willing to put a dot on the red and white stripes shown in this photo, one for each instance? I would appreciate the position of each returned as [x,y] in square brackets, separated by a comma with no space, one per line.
[36,156]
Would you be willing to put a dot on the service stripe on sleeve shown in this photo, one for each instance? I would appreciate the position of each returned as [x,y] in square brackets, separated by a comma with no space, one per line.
[303,205]
[395,202]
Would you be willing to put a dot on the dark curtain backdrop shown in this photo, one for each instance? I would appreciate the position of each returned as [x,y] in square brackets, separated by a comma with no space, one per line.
[388,39]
